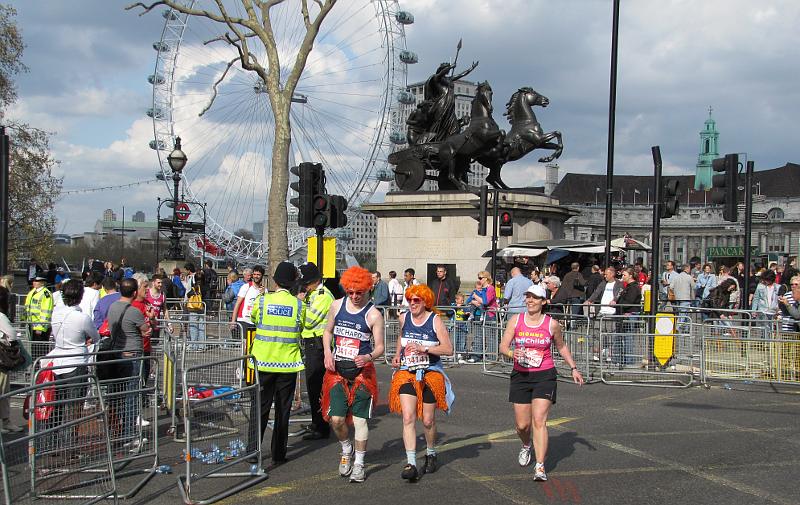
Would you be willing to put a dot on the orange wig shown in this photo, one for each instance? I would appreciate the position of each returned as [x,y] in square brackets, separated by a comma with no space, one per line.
[356,278]
[421,291]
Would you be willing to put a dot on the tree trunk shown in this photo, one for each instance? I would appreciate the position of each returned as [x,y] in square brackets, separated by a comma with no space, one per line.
[278,215]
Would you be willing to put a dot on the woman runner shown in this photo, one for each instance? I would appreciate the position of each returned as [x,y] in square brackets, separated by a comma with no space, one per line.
[533,381]
[420,385]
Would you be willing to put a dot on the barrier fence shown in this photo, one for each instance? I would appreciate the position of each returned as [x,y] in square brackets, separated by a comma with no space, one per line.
[223,434]
[67,452]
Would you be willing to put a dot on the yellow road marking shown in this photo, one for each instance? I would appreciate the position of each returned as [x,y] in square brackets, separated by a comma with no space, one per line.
[490,437]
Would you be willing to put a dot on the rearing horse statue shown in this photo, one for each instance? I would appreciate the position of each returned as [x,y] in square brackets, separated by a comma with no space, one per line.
[481,137]
[526,134]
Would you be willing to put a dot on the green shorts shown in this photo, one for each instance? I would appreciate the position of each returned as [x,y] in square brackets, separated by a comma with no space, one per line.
[362,402]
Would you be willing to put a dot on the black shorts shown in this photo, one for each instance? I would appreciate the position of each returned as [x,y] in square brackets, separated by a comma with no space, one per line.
[525,386]
[408,389]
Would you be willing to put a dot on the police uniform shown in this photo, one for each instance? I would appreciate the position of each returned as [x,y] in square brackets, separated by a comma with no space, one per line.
[278,318]
[317,305]
[39,311]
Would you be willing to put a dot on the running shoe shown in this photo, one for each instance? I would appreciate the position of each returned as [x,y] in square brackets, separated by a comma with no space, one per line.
[524,456]
[538,472]
[358,474]
[346,463]
[430,465]
[409,472]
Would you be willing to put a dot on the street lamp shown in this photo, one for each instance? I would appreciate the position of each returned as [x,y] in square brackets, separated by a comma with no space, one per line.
[177,160]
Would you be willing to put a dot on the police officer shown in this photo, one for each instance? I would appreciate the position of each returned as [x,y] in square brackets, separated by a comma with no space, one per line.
[278,318]
[39,312]
[318,301]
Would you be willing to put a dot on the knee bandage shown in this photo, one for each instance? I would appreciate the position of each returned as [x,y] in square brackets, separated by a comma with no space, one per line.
[361,429]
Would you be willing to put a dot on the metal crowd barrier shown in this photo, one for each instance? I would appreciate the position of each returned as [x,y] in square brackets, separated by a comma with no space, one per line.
[66,453]
[131,406]
[215,341]
[629,354]
[223,435]
[740,353]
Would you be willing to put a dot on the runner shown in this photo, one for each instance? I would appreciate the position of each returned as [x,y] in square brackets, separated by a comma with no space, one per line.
[424,339]
[533,381]
[350,384]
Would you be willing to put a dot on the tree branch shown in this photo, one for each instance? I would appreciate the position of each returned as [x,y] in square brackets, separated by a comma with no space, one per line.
[216,83]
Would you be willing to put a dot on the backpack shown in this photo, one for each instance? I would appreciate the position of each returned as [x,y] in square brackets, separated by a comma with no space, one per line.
[195,301]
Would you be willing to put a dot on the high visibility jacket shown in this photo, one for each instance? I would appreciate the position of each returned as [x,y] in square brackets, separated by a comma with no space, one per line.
[39,308]
[278,318]
[317,304]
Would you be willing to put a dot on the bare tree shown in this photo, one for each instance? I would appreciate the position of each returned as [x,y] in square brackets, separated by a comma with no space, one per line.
[33,190]
[240,33]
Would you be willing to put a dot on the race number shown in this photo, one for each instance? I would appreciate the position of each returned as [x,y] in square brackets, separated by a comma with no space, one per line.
[532,358]
[346,348]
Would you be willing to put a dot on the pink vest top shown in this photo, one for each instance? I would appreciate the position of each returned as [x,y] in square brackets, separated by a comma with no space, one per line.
[536,342]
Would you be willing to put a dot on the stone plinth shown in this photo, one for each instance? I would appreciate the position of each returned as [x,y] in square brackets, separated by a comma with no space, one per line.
[425,228]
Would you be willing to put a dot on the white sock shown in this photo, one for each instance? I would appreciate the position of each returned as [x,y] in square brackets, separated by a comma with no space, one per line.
[347,446]
[411,457]
[430,451]
[360,457]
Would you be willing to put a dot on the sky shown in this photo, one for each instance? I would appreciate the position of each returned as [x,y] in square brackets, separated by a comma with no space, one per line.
[89,61]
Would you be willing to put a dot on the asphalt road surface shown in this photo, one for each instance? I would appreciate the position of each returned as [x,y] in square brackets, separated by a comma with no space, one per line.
[608,445]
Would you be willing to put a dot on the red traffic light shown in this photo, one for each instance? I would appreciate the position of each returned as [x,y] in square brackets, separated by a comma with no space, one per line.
[505,217]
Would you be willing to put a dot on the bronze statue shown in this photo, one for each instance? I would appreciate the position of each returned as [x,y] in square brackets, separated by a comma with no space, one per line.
[435,117]
[438,144]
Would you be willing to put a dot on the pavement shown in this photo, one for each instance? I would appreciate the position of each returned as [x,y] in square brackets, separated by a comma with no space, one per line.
[609,444]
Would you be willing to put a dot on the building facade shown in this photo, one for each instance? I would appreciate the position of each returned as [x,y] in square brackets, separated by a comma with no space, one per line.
[697,230]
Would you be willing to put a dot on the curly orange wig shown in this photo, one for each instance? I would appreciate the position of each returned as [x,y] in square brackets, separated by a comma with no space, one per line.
[357,278]
[421,291]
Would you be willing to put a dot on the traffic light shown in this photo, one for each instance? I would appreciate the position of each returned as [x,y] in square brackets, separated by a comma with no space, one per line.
[669,198]
[338,204]
[726,186]
[322,211]
[506,223]
[310,183]
[482,210]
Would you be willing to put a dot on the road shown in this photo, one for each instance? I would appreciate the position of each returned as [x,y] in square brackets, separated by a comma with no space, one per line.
[608,445]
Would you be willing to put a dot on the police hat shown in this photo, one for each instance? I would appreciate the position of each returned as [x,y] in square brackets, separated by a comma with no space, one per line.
[309,273]
[40,278]
[285,274]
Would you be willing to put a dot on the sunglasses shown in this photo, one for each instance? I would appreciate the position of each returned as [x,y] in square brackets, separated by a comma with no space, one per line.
[479,277]
[415,299]
[355,293]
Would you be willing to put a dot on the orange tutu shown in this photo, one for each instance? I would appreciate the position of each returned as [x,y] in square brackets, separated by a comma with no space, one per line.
[433,379]
[367,378]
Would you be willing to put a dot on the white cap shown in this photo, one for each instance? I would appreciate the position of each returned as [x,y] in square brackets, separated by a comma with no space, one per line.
[537,290]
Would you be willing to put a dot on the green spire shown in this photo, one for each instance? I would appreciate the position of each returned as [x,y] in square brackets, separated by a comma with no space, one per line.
[709,149]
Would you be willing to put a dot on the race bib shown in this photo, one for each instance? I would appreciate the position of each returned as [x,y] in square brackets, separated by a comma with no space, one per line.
[415,361]
[346,348]
[532,359]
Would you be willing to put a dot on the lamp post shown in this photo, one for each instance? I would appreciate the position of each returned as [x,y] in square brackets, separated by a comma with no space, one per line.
[177,160]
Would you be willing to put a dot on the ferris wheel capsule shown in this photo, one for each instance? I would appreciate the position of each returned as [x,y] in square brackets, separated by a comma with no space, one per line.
[405,97]
[155,112]
[398,138]
[404,17]
[384,175]
[156,79]
[408,57]
[161,46]
[158,145]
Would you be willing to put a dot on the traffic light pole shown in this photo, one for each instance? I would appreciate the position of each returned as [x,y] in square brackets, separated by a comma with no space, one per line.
[748,224]
[320,235]
[655,247]
[495,226]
